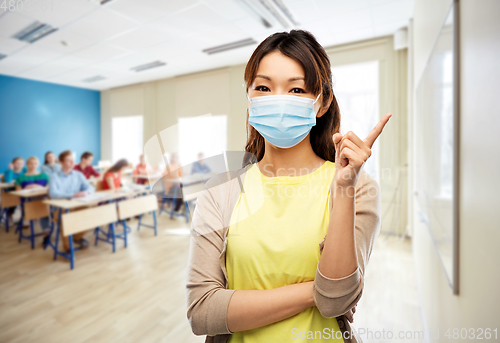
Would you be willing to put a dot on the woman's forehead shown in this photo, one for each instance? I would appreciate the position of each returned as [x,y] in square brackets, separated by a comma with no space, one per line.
[276,66]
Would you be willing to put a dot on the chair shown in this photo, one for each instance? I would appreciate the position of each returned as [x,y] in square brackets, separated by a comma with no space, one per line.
[138,207]
[7,201]
[79,221]
[34,210]
[190,193]
[99,186]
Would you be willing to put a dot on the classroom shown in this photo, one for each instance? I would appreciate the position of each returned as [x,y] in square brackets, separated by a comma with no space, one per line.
[242,171]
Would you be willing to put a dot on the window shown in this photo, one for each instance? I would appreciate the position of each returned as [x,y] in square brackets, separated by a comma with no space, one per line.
[206,134]
[127,139]
[357,92]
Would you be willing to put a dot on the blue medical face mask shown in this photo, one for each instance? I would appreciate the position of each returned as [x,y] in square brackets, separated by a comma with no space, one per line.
[283,120]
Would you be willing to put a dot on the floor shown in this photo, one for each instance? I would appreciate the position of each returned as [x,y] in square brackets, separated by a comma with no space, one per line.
[137,294]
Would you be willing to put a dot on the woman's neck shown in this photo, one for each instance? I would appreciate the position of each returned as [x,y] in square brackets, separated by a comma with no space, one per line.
[298,160]
[31,172]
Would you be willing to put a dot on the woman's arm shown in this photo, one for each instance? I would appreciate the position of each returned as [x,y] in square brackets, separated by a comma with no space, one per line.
[250,309]
[354,226]
[111,182]
[213,309]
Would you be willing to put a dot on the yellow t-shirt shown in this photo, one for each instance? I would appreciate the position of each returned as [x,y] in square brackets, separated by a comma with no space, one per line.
[273,241]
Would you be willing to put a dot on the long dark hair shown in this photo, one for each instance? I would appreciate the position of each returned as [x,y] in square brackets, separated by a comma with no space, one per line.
[45,158]
[118,165]
[303,47]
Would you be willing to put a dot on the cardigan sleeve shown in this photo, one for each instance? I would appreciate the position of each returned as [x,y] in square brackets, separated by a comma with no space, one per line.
[334,297]
[206,295]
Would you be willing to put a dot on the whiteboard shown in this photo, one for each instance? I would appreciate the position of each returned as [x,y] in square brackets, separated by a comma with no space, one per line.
[436,143]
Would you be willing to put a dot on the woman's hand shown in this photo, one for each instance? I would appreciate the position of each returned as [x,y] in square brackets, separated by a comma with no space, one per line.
[351,152]
[350,314]
[33,186]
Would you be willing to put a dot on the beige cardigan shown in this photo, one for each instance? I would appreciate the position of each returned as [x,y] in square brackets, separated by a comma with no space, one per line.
[207,296]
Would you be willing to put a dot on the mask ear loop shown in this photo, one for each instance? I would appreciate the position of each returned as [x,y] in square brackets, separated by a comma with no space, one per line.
[317,98]
[316,112]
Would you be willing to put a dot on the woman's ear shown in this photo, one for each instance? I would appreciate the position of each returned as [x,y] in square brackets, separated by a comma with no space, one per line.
[323,109]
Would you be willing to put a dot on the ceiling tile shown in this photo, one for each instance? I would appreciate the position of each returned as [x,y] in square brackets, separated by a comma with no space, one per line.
[65,41]
[171,48]
[305,11]
[193,20]
[354,35]
[148,10]
[390,28]
[138,39]
[392,11]
[11,23]
[101,51]
[253,27]
[36,55]
[125,63]
[337,7]
[101,25]
[229,9]
[224,34]
[55,67]
[10,45]
[350,21]
[58,13]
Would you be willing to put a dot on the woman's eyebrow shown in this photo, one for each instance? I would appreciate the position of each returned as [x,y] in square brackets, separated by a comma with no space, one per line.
[289,80]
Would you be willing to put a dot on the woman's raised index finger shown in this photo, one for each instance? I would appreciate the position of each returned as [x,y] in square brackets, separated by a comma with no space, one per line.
[377,130]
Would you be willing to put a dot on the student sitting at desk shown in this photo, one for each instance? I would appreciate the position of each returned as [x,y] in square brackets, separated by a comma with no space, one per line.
[66,184]
[200,167]
[34,179]
[172,188]
[50,165]
[113,177]
[85,165]
[141,169]
[16,169]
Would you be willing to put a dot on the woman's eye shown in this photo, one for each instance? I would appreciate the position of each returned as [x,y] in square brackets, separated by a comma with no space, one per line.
[297,90]
[262,89]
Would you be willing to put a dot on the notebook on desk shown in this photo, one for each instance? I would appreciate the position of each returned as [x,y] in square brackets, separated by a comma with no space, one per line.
[93,197]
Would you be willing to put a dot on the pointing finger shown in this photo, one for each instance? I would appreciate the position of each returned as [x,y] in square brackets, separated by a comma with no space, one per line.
[377,130]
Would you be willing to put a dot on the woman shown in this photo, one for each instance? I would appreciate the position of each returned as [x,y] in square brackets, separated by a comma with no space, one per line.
[279,248]
[50,165]
[173,188]
[32,178]
[113,177]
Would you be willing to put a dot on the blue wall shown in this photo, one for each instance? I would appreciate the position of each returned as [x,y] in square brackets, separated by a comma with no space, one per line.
[38,116]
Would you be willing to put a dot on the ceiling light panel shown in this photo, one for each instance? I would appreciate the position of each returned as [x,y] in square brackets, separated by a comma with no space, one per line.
[230,46]
[95,78]
[147,66]
[34,32]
